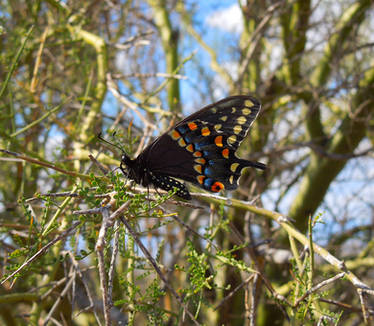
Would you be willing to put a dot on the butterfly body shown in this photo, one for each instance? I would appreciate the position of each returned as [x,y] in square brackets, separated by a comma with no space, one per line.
[200,149]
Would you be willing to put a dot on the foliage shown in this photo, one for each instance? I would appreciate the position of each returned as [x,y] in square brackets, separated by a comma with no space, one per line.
[81,245]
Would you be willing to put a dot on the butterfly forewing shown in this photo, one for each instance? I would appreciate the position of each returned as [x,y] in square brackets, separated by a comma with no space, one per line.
[201,148]
[231,117]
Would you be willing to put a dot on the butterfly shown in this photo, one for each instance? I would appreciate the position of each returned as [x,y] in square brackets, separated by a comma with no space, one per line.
[199,149]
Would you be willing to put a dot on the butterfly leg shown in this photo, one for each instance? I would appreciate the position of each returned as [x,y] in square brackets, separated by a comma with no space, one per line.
[148,198]
[156,189]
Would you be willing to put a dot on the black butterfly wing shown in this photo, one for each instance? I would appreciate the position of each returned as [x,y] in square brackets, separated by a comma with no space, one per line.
[232,116]
[201,148]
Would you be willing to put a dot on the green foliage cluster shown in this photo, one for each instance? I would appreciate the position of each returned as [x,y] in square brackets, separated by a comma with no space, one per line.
[81,245]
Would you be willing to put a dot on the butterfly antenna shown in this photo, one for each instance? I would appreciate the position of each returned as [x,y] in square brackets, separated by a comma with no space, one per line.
[105,141]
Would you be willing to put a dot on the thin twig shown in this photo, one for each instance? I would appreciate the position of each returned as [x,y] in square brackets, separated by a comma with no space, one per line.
[146,135]
[43,250]
[16,58]
[248,279]
[56,284]
[157,74]
[323,318]
[43,117]
[96,210]
[90,298]
[134,41]
[38,61]
[122,99]
[365,312]
[255,38]
[60,297]
[342,305]
[276,296]
[53,320]
[176,218]
[45,164]
[157,269]
[102,168]
[318,286]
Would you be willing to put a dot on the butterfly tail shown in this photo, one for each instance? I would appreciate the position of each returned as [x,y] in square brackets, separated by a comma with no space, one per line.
[256,165]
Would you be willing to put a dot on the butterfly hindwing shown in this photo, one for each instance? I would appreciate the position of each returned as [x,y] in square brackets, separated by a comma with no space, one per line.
[201,148]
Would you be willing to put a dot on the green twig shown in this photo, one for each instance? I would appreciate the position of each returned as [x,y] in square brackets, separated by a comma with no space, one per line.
[15,61]
[166,81]
[58,212]
[311,253]
[34,123]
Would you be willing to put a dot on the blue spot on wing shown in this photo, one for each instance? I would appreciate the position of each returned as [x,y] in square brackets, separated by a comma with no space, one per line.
[188,139]
[201,145]
[182,129]
[209,172]
[208,183]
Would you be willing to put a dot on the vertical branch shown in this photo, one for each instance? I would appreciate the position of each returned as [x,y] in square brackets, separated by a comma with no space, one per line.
[295,23]
[113,263]
[169,39]
[100,90]
[131,279]
[252,310]
[100,246]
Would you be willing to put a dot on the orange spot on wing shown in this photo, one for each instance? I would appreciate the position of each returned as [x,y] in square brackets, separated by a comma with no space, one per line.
[200,160]
[198,168]
[181,142]
[192,125]
[200,179]
[190,148]
[225,153]
[175,134]
[205,131]
[197,154]
[218,141]
[217,186]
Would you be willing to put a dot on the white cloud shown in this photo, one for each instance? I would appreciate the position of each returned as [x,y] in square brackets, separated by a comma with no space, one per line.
[122,62]
[53,148]
[229,19]
[54,144]
[220,87]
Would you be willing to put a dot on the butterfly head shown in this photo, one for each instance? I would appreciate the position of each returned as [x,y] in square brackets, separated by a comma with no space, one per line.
[129,167]
[126,164]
